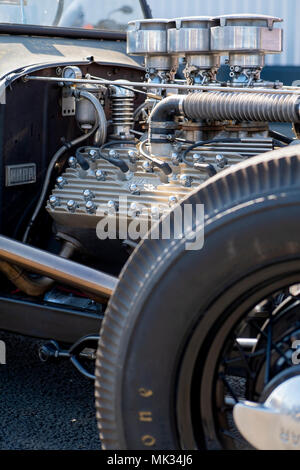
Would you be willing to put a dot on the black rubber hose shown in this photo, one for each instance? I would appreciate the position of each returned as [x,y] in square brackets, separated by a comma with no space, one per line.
[281,137]
[115,161]
[81,160]
[164,166]
[207,167]
[204,142]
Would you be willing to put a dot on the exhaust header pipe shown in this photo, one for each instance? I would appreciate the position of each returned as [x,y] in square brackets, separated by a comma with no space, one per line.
[63,270]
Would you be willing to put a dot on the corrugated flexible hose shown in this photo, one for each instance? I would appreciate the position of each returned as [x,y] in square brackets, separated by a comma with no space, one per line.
[242,106]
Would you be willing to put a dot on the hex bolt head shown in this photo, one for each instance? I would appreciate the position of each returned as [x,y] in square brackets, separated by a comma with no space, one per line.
[175,159]
[186,181]
[72,162]
[155,212]
[61,182]
[100,175]
[221,161]
[197,158]
[72,205]
[88,195]
[132,155]
[172,201]
[112,207]
[93,154]
[54,201]
[90,207]
[147,167]
[113,154]
[134,189]
[134,210]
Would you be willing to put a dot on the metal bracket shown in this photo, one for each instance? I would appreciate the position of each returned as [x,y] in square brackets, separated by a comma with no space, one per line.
[68,102]
[84,348]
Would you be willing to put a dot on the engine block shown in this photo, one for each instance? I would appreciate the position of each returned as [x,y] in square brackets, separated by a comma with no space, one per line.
[82,198]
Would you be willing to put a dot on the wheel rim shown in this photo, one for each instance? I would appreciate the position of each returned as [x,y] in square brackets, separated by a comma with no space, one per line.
[205,368]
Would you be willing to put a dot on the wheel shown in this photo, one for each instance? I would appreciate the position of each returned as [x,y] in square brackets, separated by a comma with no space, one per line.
[187,334]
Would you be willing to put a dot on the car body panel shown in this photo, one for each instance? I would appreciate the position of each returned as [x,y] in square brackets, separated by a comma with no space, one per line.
[20,52]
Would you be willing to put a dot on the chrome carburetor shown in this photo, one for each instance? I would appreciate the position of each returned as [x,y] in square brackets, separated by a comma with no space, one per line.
[190,38]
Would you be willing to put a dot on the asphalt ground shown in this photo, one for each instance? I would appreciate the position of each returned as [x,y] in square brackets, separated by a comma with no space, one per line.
[43,406]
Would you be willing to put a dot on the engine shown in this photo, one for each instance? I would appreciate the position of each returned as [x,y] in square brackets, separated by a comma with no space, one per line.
[189,126]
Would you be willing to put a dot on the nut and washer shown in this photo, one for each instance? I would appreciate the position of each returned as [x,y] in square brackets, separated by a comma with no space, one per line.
[221,161]
[100,175]
[93,154]
[172,201]
[186,181]
[155,212]
[91,207]
[134,210]
[72,162]
[61,182]
[54,202]
[113,154]
[88,195]
[198,158]
[134,189]
[112,207]
[132,155]
[175,159]
[72,205]
[147,166]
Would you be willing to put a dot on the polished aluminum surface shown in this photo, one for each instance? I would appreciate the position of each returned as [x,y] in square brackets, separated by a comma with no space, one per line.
[246,33]
[274,425]
[190,35]
[203,61]
[160,62]
[148,36]
[247,60]
[141,188]
[247,19]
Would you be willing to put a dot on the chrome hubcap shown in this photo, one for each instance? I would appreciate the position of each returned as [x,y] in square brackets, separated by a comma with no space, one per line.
[275,424]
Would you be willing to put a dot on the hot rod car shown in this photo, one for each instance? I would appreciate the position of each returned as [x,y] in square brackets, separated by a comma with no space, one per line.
[145,197]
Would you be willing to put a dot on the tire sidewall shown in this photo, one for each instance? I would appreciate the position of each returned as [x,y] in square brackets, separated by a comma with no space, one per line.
[175,298]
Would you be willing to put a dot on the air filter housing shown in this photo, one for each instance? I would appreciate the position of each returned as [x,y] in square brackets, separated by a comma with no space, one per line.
[246,38]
